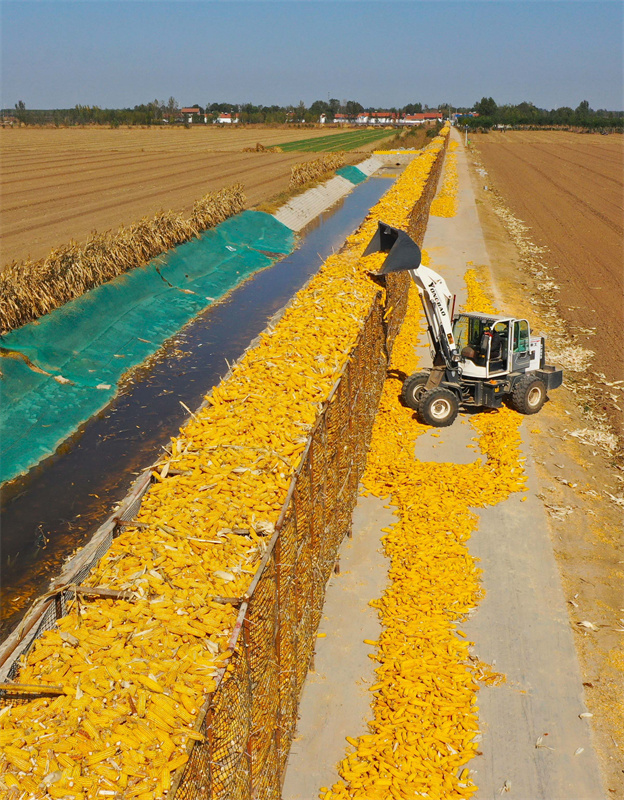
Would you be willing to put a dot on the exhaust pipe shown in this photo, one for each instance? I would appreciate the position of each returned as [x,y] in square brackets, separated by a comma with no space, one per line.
[403,252]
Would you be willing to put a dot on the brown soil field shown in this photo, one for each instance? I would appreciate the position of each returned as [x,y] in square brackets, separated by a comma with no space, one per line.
[569,189]
[581,484]
[61,184]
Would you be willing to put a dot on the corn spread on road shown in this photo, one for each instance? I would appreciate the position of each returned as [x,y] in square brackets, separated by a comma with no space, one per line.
[134,673]
[418,739]
[424,707]
[445,203]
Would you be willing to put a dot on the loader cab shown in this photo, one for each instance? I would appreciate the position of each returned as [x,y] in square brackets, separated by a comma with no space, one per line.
[485,343]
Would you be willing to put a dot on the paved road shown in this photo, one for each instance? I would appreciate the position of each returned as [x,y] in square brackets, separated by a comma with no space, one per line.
[521,626]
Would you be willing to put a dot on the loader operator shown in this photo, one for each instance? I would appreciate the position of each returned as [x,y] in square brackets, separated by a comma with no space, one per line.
[495,343]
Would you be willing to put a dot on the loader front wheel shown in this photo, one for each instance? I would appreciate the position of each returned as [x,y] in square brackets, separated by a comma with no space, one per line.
[528,395]
[413,388]
[438,407]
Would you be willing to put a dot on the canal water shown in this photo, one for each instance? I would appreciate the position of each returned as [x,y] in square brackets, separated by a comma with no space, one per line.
[55,508]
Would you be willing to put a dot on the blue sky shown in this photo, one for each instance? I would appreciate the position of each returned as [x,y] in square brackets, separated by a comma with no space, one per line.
[56,54]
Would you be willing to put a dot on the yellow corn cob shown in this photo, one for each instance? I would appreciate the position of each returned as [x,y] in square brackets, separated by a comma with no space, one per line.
[90,728]
[176,763]
[197,737]
[149,683]
[139,789]
[108,752]
[164,738]
[144,732]
[164,702]
[16,752]
[22,764]
[157,717]
[188,704]
[127,739]
[105,771]
[113,672]
[164,780]
[64,760]
[141,702]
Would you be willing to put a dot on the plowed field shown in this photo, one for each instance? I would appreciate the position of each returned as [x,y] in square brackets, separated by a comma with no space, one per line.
[569,189]
[59,184]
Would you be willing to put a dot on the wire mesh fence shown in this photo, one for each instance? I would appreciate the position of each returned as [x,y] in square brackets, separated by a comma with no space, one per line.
[252,717]
[249,721]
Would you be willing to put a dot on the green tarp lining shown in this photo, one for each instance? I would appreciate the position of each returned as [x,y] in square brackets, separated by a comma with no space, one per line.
[352,174]
[93,340]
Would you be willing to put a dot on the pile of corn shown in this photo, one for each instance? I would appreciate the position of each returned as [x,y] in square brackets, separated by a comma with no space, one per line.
[424,708]
[133,673]
[30,289]
[445,203]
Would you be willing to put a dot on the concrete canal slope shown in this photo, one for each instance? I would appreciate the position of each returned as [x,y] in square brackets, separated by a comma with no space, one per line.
[534,746]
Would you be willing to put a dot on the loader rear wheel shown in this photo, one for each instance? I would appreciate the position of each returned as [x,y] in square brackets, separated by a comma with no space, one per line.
[528,395]
[438,407]
[413,388]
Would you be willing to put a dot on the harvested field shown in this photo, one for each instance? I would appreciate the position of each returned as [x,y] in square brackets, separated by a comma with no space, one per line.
[59,184]
[568,188]
[580,478]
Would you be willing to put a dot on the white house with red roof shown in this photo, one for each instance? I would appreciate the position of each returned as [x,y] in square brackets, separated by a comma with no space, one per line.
[193,114]
[422,118]
[227,119]
[376,118]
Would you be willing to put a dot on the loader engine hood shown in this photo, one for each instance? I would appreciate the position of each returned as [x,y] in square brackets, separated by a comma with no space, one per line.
[403,252]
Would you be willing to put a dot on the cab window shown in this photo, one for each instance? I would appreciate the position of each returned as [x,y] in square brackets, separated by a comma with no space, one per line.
[460,332]
[521,336]
[467,331]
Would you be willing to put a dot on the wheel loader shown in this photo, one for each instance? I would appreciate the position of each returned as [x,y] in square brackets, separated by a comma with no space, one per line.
[479,360]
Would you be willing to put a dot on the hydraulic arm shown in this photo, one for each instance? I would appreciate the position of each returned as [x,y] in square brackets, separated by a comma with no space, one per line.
[404,255]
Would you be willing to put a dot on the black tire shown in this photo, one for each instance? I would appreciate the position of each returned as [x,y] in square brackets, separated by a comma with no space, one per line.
[413,387]
[438,407]
[528,395]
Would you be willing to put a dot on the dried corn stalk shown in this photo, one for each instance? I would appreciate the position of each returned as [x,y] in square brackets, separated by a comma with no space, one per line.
[30,289]
[312,170]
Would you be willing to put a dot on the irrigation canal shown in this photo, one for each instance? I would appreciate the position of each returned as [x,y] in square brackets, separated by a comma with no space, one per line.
[55,508]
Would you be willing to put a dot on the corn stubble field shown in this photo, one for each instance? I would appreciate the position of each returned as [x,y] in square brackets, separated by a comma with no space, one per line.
[568,189]
[61,184]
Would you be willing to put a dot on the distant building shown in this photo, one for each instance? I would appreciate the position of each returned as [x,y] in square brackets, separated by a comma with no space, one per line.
[227,119]
[192,114]
[422,118]
[377,118]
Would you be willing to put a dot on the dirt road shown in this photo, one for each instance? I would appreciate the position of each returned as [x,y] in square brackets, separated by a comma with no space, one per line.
[58,185]
[581,478]
[569,189]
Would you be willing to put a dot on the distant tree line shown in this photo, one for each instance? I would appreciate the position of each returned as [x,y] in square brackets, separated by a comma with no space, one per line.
[526,114]
[160,112]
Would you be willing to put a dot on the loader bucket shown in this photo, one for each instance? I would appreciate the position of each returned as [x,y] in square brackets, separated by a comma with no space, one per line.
[403,252]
